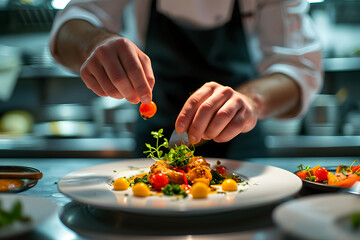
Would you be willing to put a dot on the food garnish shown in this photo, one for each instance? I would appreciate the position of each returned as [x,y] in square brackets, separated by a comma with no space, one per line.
[159,180]
[147,110]
[229,185]
[13,215]
[140,178]
[345,176]
[177,156]
[200,190]
[140,189]
[178,173]
[121,184]
[173,190]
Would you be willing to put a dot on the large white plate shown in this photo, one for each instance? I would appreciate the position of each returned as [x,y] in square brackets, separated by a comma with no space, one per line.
[38,209]
[92,186]
[325,216]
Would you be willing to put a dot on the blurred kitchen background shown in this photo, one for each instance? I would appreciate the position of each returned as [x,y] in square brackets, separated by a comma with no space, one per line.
[47,111]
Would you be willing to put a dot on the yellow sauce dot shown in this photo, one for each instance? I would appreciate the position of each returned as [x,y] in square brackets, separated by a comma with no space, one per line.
[121,184]
[229,185]
[199,190]
[140,189]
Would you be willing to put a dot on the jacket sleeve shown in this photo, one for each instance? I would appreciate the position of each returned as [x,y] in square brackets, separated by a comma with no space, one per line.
[101,13]
[289,45]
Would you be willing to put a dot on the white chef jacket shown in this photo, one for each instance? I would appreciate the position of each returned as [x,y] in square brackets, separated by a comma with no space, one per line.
[280,34]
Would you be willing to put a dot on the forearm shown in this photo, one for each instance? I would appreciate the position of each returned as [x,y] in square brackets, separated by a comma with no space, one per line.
[276,95]
[75,41]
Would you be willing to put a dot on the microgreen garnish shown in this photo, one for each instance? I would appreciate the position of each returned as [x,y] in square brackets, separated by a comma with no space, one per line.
[155,152]
[217,178]
[143,179]
[174,189]
[353,163]
[177,156]
[301,167]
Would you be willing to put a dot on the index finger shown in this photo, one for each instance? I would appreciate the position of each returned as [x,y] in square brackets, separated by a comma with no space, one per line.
[191,106]
[135,72]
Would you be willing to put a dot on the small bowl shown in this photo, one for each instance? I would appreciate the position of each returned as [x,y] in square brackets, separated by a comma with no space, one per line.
[14,179]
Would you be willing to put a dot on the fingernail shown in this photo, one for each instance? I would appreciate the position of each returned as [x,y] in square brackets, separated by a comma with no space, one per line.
[180,128]
[193,140]
[145,99]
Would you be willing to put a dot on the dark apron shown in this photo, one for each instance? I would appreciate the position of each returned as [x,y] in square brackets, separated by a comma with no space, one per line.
[183,60]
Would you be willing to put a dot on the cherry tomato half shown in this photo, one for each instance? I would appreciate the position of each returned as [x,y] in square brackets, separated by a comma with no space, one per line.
[147,110]
[159,181]
[221,170]
[321,174]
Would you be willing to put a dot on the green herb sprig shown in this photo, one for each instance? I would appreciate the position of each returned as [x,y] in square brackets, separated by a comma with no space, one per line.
[217,178]
[174,189]
[13,215]
[179,156]
[176,157]
[143,179]
[156,152]
[301,167]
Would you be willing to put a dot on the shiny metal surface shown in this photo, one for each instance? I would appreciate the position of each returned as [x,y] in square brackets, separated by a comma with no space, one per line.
[78,221]
[178,139]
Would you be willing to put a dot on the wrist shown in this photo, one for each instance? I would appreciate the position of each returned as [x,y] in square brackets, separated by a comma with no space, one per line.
[257,104]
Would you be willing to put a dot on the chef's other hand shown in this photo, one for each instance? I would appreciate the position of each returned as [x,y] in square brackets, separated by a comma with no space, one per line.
[119,69]
[216,112]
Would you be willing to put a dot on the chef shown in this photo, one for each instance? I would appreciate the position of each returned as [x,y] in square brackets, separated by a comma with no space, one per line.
[214,68]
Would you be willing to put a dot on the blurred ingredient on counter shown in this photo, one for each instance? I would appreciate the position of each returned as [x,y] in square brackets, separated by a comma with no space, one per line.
[65,120]
[17,122]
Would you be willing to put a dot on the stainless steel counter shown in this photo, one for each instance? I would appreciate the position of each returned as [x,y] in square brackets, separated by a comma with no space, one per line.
[76,220]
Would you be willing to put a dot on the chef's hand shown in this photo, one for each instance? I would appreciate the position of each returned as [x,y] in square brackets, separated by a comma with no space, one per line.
[119,69]
[216,112]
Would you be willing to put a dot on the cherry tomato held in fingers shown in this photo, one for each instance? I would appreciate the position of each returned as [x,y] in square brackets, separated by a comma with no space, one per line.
[147,110]
[321,174]
[159,181]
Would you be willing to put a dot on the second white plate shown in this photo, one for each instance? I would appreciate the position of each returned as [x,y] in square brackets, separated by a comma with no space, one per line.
[323,216]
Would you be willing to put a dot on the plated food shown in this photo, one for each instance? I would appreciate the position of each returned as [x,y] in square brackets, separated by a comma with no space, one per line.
[93,186]
[180,173]
[341,176]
